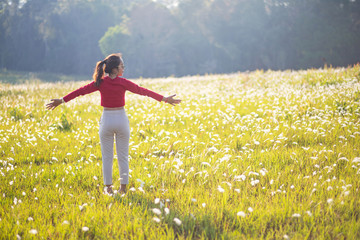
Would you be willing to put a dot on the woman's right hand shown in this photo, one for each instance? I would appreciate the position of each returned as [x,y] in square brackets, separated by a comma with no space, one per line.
[54,103]
[171,100]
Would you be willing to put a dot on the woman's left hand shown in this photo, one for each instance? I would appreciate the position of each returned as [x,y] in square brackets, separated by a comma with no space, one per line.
[171,100]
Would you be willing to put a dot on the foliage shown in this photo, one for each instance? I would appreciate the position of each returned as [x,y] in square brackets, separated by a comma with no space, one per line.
[186,37]
[255,155]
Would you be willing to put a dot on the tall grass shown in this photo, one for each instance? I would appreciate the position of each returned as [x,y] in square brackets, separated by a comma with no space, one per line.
[260,155]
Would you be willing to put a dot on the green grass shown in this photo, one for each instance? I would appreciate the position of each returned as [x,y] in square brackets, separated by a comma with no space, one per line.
[259,155]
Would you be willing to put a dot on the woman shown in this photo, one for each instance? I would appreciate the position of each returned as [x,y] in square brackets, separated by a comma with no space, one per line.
[114,121]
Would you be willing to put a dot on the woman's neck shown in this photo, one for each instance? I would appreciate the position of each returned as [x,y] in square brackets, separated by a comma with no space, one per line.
[112,76]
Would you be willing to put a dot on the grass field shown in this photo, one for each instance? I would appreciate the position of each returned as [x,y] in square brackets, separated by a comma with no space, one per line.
[258,155]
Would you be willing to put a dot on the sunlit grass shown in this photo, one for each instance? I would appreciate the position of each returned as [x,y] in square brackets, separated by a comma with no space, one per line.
[267,155]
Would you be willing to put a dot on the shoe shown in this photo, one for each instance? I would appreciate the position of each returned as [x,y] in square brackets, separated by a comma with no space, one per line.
[109,190]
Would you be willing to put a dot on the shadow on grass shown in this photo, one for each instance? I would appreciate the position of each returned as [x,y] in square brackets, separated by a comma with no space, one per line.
[191,227]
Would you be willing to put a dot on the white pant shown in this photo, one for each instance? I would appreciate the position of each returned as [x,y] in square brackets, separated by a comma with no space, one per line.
[115,123]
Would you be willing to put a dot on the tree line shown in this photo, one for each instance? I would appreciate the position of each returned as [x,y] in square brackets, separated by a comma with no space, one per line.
[178,37]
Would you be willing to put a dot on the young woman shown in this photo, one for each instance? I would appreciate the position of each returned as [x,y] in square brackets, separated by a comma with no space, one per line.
[114,121]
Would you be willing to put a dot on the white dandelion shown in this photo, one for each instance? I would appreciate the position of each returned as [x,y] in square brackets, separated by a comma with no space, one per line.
[177,221]
[33,231]
[85,229]
[254,182]
[156,219]
[156,211]
[220,189]
[241,214]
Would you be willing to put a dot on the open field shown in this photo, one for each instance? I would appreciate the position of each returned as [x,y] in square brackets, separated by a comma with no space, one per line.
[258,155]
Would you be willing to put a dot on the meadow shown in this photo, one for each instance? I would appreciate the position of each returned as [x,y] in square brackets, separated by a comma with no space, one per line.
[249,155]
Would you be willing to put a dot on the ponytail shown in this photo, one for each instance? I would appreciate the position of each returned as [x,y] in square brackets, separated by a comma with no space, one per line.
[98,73]
[110,62]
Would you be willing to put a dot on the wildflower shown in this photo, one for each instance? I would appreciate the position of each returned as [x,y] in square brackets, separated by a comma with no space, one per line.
[296,215]
[204,204]
[220,189]
[250,209]
[156,211]
[177,221]
[30,219]
[254,182]
[157,200]
[33,231]
[156,219]
[205,163]
[241,214]
[167,211]
[85,229]
[65,222]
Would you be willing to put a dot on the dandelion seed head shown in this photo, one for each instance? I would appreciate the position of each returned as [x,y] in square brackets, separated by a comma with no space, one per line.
[177,221]
[156,211]
[241,214]
[33,231]
[220,189]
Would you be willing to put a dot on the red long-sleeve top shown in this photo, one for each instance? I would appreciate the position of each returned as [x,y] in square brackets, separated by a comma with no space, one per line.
[112,91]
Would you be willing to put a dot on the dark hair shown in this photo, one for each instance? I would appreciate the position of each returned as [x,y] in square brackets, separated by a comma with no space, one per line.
[112,61]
